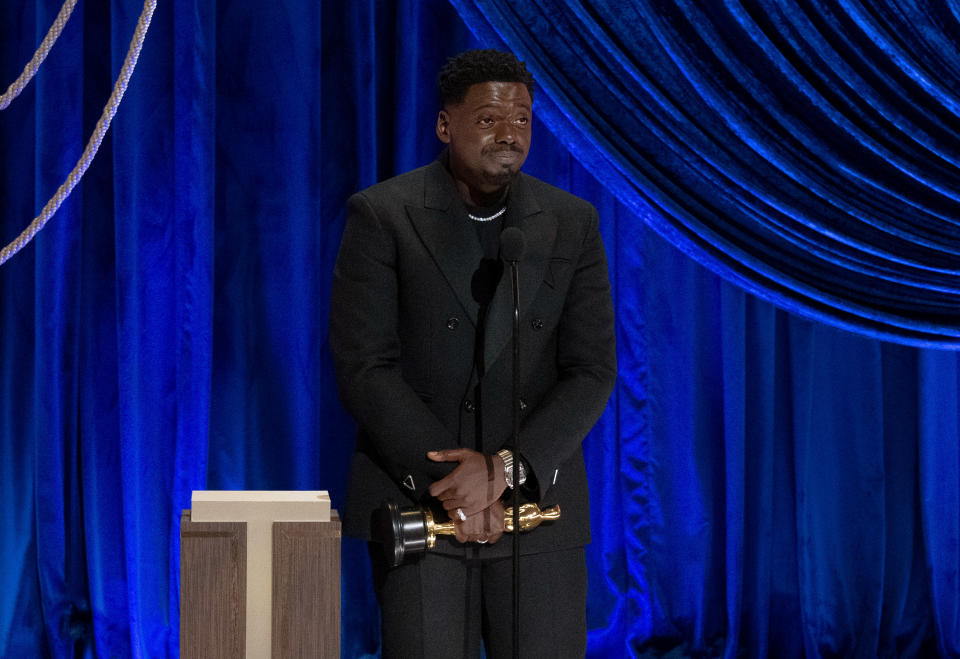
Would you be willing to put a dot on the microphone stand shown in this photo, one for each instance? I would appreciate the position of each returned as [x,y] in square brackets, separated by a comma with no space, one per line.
[514,276]
[511,250]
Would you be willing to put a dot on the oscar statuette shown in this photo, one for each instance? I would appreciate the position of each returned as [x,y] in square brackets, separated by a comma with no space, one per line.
[408,532]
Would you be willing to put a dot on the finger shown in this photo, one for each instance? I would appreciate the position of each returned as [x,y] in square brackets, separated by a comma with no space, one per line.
[493,521]
[442,493]
[448,493]
[448,482]
[442,487]
[468,509]
[449,455]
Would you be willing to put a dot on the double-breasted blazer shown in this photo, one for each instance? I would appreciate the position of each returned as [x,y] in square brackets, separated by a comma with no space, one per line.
[402,330]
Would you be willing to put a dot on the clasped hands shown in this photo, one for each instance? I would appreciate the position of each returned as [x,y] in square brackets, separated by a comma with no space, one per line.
[473,487]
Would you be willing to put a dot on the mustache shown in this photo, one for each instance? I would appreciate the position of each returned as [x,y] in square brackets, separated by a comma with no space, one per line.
[495,148]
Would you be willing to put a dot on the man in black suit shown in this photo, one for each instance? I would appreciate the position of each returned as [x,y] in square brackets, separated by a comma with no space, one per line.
[421,323]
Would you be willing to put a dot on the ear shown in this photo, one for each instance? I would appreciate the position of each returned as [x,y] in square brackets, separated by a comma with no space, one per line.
[443,126]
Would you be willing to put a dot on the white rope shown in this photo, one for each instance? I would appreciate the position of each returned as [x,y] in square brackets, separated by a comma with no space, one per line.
[95,139]
[31,68]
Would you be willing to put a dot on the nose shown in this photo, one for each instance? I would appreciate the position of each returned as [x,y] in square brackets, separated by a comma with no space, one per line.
[505,133]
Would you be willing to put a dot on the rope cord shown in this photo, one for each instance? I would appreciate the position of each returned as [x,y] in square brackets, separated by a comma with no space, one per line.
[96,138]
[45,46]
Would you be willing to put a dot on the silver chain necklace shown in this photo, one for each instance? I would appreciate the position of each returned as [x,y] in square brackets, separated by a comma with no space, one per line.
[476,218]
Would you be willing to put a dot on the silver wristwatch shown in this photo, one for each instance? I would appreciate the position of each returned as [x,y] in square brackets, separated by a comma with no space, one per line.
[507,456]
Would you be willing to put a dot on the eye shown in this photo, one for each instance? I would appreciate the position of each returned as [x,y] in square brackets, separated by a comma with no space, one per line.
[486,122]
[523,121]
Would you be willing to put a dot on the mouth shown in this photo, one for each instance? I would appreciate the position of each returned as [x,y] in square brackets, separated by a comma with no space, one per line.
[507,156]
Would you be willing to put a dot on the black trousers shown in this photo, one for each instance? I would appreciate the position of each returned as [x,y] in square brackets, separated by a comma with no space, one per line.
[442,606]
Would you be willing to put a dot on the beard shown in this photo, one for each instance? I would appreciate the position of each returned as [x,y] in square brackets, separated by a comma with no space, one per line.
[507,172]
[501,178]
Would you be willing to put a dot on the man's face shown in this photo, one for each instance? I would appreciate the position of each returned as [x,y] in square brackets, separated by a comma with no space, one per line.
[488,135]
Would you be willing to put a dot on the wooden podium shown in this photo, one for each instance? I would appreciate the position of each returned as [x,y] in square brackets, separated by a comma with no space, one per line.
[259,576]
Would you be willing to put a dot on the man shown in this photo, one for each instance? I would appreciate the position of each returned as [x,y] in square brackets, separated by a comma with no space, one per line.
[421,324]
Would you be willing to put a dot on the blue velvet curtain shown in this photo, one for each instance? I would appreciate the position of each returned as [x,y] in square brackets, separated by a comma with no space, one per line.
[762,483]
[106,329]
[809,151]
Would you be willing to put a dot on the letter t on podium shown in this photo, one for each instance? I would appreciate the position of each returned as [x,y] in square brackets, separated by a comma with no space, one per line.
[292,544]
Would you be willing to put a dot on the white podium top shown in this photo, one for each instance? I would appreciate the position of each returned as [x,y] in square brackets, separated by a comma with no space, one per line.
[260,505]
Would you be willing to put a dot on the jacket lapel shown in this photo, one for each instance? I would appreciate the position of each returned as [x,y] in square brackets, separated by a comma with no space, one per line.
[540,231]
[455,249]
[451,241]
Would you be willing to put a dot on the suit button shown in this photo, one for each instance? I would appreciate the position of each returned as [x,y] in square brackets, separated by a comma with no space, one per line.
[536,324]
[468,405]
[523,404]
[453,323]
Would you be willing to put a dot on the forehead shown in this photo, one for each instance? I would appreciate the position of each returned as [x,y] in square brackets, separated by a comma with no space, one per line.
[483,94]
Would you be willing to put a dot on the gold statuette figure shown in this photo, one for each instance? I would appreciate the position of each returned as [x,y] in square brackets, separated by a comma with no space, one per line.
[413,530]
[530,518]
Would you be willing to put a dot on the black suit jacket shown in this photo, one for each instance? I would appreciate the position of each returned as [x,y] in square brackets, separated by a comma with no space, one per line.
[402,332]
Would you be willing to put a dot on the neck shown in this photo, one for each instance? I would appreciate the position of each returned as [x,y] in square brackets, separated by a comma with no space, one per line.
[481,198]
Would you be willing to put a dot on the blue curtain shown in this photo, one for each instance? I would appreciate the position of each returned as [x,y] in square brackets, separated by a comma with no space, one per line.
[762,483]
[106,329]
[809,151]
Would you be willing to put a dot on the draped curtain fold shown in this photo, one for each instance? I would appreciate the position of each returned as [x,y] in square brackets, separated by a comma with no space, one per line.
[809,152]
[761,484]
[106,329]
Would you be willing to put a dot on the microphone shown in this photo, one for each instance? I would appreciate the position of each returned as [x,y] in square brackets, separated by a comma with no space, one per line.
[512,244]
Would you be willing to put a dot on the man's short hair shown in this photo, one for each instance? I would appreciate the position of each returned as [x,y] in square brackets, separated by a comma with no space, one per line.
[474,66]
